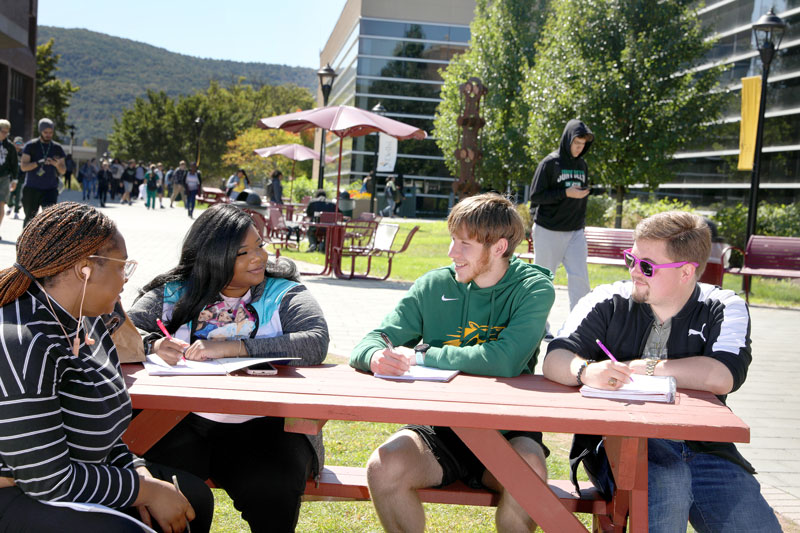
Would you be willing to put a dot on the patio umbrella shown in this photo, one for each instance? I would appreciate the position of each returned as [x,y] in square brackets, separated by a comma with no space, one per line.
[295,152]
[342,121]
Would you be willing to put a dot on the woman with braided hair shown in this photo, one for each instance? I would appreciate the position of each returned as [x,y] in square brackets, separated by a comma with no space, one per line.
[63,402]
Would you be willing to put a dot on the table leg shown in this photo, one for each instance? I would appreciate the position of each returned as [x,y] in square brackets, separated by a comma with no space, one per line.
[148,427]
[307,426]
[517,476]
[628,459]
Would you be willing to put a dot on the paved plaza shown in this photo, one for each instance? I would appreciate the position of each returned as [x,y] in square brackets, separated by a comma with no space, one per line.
[769,401]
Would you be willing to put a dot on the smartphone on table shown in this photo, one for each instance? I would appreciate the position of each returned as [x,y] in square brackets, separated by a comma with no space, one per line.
[261,369]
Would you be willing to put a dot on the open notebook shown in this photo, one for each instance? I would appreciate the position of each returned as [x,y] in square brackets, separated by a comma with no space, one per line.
[422,373]
[642,388]
[156,366]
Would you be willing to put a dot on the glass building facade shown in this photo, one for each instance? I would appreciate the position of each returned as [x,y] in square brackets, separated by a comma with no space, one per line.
[707,171]
[397,64]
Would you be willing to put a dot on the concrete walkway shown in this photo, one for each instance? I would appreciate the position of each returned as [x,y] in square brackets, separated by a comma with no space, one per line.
[769,401]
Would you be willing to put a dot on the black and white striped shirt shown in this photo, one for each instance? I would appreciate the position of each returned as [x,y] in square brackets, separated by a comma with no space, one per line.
[62,416]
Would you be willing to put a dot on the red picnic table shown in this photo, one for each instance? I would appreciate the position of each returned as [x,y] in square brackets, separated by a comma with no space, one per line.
[475,407]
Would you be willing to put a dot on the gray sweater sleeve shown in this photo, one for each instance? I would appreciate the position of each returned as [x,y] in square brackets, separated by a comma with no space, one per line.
[305,332]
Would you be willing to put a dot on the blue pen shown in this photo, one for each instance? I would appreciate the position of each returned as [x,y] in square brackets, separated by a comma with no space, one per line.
[609,354]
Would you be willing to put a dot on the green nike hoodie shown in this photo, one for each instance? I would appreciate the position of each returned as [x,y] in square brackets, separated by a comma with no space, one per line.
[494,331]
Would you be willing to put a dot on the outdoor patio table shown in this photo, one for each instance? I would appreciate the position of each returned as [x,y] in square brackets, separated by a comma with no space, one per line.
[475,407]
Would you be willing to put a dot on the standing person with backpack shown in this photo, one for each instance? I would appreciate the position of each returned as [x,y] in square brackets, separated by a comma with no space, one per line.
[388,193]
[193,184]
[69,163]
[9,165]
[104,178]
[128,181]
[152,183]
[178,183]
[116,176]
[276,188]
[15,198]
[88,179]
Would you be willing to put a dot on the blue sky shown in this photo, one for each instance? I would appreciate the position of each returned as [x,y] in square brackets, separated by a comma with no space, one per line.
[287,32]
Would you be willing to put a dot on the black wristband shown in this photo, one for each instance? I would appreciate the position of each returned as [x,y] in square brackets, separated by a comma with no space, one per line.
[582,368]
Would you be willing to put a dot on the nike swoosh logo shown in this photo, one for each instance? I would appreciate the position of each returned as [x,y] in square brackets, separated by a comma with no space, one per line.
[444,299]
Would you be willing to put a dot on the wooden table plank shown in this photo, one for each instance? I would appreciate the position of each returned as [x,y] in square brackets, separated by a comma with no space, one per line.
[700,419]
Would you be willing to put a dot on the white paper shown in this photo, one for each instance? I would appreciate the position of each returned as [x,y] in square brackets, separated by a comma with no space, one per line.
[642,388]
[97,508]
[422,373]
[156,366]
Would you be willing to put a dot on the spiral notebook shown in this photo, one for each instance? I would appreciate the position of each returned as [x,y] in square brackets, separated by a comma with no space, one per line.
[642,388]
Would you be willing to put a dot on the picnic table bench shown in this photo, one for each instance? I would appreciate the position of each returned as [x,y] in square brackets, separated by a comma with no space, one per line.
[212,195]
[605,245]
[767,256]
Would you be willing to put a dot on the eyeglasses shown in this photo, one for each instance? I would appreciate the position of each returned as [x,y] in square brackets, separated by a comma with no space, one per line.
[646,267]
[130,264]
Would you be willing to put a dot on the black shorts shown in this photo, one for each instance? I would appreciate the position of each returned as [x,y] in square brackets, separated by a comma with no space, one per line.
[456,459]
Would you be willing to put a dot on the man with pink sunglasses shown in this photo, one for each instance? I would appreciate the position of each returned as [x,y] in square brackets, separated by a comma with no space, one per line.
[664,322]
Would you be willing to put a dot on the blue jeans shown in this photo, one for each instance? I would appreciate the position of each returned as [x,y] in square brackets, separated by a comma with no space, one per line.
[190,199]
[89,188]
[712,493]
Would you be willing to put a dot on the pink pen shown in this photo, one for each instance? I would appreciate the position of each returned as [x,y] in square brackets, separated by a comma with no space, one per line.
[609,354]
[165,332]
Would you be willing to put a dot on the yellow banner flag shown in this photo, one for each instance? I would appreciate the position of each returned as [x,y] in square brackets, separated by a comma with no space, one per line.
[751,100]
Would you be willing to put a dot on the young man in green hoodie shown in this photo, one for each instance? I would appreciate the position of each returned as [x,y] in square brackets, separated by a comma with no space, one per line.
[485,314]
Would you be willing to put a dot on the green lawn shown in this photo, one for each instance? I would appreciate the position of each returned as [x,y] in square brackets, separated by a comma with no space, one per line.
[429,247]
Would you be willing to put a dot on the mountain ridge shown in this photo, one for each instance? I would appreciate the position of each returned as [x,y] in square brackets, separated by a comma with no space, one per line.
[113,71]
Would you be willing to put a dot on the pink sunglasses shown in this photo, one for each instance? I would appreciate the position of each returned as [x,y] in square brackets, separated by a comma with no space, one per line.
[646,267]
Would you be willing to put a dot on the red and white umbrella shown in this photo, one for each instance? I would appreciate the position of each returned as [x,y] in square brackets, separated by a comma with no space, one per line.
[342,121]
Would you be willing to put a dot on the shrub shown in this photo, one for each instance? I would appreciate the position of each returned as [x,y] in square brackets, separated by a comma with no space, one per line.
[634,210]
[773,219]
[600,211]
[305,186]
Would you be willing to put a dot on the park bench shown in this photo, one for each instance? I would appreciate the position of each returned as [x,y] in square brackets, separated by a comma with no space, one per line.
[767,256]
[379,246]
[605,245]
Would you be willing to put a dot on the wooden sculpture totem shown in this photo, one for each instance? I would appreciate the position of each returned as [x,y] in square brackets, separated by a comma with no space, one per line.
[470,122]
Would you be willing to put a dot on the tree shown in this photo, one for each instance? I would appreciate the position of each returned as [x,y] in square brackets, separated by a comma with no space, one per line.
[240,154]
[159,128]
[502,46]
[52,95]
[626,68]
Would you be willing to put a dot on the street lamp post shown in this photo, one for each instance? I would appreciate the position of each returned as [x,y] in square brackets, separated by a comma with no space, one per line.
[71,139]
[198,126]
[326,76]
[768,32]
[380,110]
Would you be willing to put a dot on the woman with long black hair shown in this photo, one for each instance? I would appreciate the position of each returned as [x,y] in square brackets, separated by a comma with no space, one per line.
[225,299]
[63,402]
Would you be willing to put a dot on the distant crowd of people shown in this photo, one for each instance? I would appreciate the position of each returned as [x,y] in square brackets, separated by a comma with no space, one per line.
[108,179]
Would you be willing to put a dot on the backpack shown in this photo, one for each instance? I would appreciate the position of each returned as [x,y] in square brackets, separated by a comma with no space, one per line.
[270,190]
